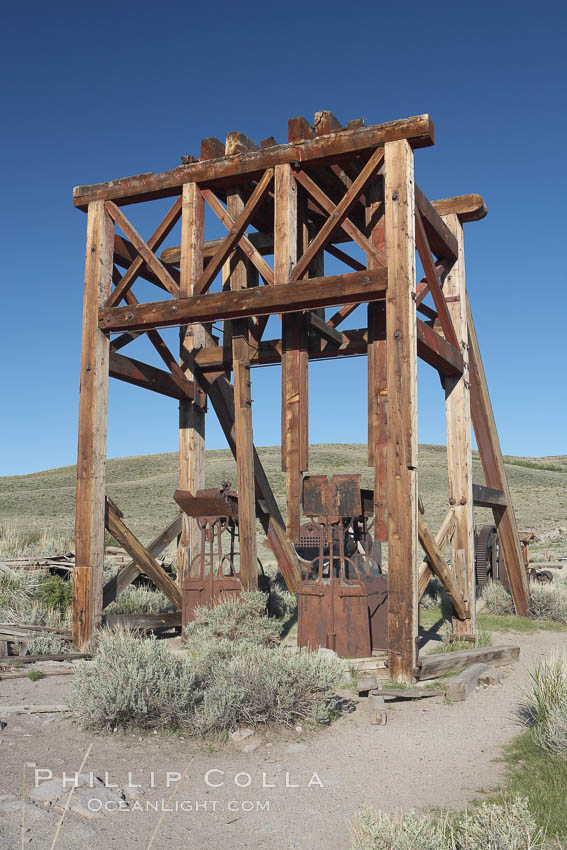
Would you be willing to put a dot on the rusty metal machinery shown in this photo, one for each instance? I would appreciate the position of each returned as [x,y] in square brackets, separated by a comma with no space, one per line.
[489,563]
[214,572]
[342,599]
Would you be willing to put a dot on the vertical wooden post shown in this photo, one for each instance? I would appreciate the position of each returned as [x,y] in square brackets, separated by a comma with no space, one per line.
[495,473]
[401,376]
[91,457]
[240,278]
[191,337]
[285,257]
[377,385]
[459,448]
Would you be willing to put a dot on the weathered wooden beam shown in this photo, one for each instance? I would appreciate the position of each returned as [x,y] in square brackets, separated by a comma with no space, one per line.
[191,472]
[401,382]
[91,455]
[433,282]
[132,570]
[377,364]
[122,534]
[142,248]
[338,216]
[300,295]
[459,446]
[148,377]
[347,225]
[141,187]
[442,241]
[154,242]
[439,568]
[125,254]
[466,207]
[488,497]
[495,474]
[324,329]
[145,622]
[234,235]
[245,243]
[436,351]
[442,539]
[433,666]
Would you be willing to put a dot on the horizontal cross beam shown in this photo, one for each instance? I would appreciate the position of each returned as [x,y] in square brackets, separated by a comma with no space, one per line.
[127,190]
[488,497]
[260,300]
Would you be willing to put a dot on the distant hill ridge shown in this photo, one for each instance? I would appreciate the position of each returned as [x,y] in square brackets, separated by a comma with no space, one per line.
[143,488]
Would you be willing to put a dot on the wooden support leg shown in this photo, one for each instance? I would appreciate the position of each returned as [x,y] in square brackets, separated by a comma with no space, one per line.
[191,417]
[494,473]
[240,277]
[459,448]
[401,376]
[89,529]
[285,257]
[377,386]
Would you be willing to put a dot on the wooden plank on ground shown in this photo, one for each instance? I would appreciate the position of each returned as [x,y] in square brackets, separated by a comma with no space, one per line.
[461,687]
[495,474]
[91,456]
[140,554]
[147,622]
[433,666]
[34,659]
[401,381]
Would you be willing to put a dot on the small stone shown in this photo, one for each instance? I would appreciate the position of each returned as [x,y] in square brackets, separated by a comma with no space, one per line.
[299,728]
[327,653]
[249,748]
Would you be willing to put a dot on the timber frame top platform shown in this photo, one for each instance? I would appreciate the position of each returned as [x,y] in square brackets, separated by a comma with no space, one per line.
[328,186]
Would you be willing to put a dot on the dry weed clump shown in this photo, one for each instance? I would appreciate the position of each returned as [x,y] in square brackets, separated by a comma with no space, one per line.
[140,600]
[549,601]
[491,826]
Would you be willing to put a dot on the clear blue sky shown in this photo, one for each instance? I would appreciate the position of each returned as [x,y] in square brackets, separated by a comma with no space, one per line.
[91,92]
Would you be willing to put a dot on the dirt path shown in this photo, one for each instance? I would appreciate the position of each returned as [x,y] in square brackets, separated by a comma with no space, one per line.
[429,754]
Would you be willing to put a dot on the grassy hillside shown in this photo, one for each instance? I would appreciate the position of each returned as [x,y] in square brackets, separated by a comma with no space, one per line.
[143,488]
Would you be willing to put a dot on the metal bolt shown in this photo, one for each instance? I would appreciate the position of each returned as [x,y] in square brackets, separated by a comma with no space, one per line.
[397,334]
[174,309]
[395,196]
[130,316]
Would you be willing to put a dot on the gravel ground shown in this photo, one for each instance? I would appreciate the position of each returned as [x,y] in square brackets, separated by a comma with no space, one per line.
[269,790]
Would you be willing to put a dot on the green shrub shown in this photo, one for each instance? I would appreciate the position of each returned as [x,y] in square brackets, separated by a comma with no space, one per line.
[140,600]
[548,601]
[56,593]
[35,675]
[48,643]
[544,707]
[432,596]
[17,590]
[253,685]
[216,687]
[483,638]
[235,620]
[491,826]
[134,682]
[496,599]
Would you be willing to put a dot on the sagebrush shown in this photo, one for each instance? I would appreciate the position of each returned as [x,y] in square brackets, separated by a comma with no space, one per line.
[490,826]
[497,599]
[544,706]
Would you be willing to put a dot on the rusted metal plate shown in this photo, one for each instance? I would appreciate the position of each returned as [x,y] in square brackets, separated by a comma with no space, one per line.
[335,497]
[208,591]
[207,503]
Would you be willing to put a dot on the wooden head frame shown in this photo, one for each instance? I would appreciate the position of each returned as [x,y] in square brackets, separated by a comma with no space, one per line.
[327,186]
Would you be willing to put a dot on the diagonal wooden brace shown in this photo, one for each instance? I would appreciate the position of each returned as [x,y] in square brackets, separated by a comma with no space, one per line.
[440,569]
[122,534]
[128,573]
